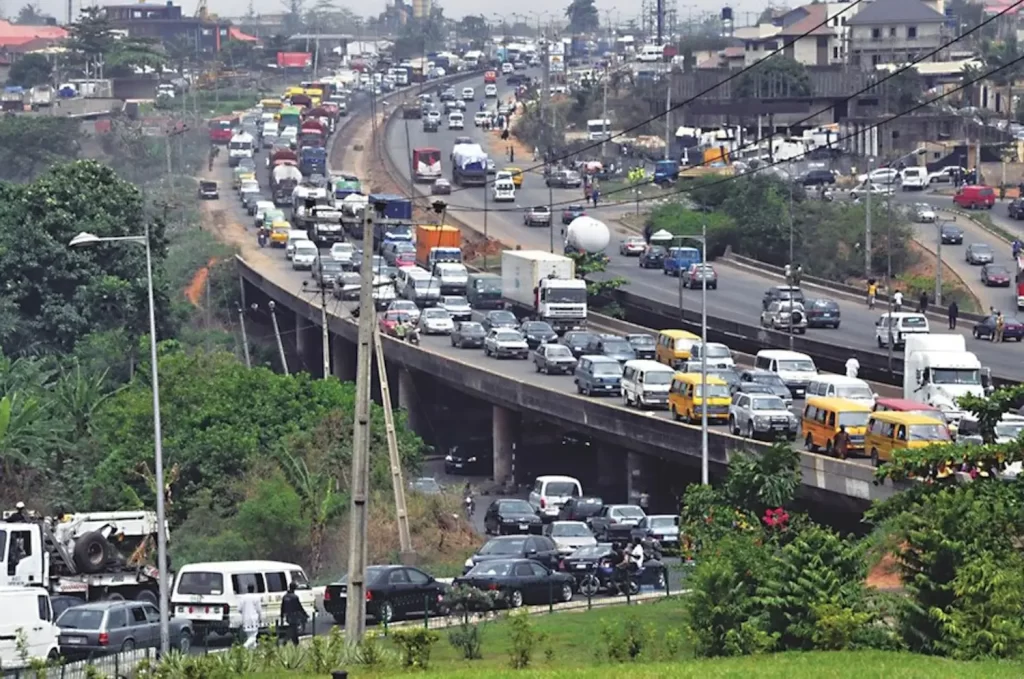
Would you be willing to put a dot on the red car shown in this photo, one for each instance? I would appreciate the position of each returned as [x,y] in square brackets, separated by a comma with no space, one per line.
[390,319]
[404,260]
[975,197]
[995,275]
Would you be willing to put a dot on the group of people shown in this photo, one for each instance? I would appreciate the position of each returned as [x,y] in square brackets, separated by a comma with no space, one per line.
[293,615]
[952,311]
[627,559]
[406,329]
[997,334]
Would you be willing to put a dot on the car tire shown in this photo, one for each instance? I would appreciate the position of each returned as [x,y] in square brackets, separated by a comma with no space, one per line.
[565,596]
[148,596]
[128,646]
[751,434]
[809,443]
[977,334]
[185,642]
[874,458]
[514,598]
[732,426]
[385,612]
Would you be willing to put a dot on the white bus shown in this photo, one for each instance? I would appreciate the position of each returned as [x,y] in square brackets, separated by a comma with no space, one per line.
[598,129]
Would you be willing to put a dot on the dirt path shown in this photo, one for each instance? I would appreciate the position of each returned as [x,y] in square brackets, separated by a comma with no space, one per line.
[224,223]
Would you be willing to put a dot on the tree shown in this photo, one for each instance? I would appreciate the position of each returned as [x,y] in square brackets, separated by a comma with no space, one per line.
[30,15]
[64,293]
[310,473]
[903,90]
[583,16]
[1003,55]
[30,70]
[96,48]
[28,145]
[775,77]
[474,28]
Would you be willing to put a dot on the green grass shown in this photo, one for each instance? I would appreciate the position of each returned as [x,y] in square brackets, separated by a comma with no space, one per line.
[793,665]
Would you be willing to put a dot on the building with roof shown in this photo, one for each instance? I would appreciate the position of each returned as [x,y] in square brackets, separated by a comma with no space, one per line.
[813,35]
[165,22]
[17,40]
[895,32]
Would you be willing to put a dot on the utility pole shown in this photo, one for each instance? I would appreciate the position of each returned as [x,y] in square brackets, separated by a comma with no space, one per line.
[245,338]
[661,20]
[326,338]
[545,95]
[867,224]
[604,115]
[277,334]
[668,108]
[404,536]
[355,611]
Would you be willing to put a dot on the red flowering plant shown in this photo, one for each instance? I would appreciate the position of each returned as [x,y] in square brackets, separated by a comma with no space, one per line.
[776,519]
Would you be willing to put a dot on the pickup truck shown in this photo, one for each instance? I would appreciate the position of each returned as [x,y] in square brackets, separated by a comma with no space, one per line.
[615,522]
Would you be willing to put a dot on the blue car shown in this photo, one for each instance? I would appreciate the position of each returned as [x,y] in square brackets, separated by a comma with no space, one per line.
[679,260]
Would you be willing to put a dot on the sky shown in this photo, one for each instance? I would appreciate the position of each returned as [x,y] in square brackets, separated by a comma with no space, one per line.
[623,9]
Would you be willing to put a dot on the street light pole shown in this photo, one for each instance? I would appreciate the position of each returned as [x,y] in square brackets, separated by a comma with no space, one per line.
[704,356]
[158,462]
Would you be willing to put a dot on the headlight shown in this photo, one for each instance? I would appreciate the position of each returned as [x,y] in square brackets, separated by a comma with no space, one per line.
[447,458]
[469,563]
[758,419]
[472,459]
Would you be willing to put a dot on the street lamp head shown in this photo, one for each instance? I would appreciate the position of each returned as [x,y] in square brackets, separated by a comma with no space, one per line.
[84,238]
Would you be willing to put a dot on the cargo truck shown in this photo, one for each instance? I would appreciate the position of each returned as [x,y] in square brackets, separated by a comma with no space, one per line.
[469,165]
[283,180]
[483,290]
[92,556]
[313,160]
[544,286]
[435,244]
[938,370]
[321,222]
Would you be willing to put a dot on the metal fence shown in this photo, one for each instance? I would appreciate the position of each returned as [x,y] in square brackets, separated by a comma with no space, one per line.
[117,665]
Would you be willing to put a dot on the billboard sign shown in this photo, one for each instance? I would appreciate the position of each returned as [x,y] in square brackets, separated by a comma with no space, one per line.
[294,59]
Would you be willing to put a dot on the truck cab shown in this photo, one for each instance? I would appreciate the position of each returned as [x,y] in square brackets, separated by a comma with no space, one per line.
[938,370]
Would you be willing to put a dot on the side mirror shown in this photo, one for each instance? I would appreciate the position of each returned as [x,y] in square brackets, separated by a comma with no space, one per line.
[531,552]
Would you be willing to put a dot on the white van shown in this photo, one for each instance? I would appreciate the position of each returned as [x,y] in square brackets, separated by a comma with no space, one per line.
[27,613]
[551,492]
[914,179]
[651,53]
[418,285]
[468,94]
[719,356]
[899,324]
[294,235]
[504,191]
[207,594]
[840,386]
[645,383]
[456,121]
[795,369]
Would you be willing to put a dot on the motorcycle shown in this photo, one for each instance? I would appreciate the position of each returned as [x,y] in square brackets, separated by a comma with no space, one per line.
[608,578]
[262,238]
[413,336]
[470,505]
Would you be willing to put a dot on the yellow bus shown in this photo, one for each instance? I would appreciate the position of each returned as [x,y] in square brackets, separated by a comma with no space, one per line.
[272,105]
[685,399]
[822,418]
[292,91]
[891,431]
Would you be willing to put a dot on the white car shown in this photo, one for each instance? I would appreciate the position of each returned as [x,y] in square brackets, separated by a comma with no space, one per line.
[945,175]
[883,175]
[481,117]
[874,189]
[407,307]
[261,209]
[456,306]
[434,116]
[468,94]
[914,179]
[490,91]
[924,214]
[343,252]
[507,68]
[436,322]
[763,415]
[504,191]
[569,536]
[506,342]
[249,186]
[305,255]
[785,316]
[456,121]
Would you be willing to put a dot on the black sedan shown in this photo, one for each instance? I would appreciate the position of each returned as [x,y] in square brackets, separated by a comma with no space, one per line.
[818,178]
[1015,209]
[519,581]
[986,329]
[509,515]
[536,547]
[461,460]
[326,270]
[468,335]
[537,333]
[499,318]
[391,593]
[580,508]
[951,234]
[572,212]
[653,257]
[578,341]
[642,344]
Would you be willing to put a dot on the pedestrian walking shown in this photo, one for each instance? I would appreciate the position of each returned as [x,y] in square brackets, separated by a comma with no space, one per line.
[293,614]
[852,367]
[897,301]
[953,312]
[1000,327]
[251,608]
[872,292]
[842,444]
[922,303]
[596,195]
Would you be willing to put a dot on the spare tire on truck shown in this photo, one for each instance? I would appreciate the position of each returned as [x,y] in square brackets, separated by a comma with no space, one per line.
[91,551]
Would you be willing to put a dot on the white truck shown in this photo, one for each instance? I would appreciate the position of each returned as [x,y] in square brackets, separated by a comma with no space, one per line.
[938,369]
[94,556]
[321,222]
[544,285]
[241,146]
[41,96]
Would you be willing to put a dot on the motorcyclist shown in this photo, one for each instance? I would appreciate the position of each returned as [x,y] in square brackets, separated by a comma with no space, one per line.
[412,332]
[400,329]
[1017,247]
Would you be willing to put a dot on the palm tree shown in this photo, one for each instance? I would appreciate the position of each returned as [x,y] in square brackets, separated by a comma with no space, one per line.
[321,500]
[27,434]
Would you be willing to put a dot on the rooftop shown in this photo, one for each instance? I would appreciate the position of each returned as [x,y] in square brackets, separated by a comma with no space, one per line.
[815,23]
[895,12]
[13,35]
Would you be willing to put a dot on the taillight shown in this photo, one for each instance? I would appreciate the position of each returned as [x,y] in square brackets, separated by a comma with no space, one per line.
[104,639]
[543,503]
[561,565]
[492,586]
[327,595]
[369,595]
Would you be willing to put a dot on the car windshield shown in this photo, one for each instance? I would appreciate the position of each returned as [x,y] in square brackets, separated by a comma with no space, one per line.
[328,265]
[854,391]
[201,583]
[854,419]
[662,522]
[658,378]
[516,507]
[714,390]
[558,351]
[81,618]
[629,512]
[718,351]
[607,368]
[767,403]
[502,317]
[435,313]
[998,271]
[471,328]
[591,551]
[507,336]
[1009,430]
[981,249]
[570,530]
[305,247]
[580,339]
[509,546]
[499,569]
[406,306]
[955,376]
[455,301]
[561,489]
[537,327]
[798,366]
[928,432]
[684,343]
[914,322]
[373,574]
[641,340]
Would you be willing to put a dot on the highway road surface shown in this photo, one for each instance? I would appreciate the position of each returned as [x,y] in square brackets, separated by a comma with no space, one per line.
[738,297]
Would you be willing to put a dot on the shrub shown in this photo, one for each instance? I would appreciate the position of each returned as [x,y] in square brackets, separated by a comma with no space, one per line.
[467,638]
[525,638]
[625,641]
[415,644]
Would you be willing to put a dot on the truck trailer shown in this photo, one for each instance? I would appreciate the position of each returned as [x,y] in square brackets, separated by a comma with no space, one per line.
[544,286]
[436,244]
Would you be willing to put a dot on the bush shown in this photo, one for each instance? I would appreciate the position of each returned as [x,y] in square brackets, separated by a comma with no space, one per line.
[525,639]
[626,641]
[467,638]
[416,644]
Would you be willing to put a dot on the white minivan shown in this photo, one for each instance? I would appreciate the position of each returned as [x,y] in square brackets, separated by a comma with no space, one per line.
[914,179]
[504,191]
[294,236]
[840,386]
[795,369]
[456,121]
[899,324]
[646,383]
[27,613]
[468,94]
[551,492]
[207,594]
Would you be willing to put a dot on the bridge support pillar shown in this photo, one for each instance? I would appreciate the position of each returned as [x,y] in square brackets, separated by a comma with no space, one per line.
[637,478]
[612,477]
[343,360]
[505,433]
[407,400]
